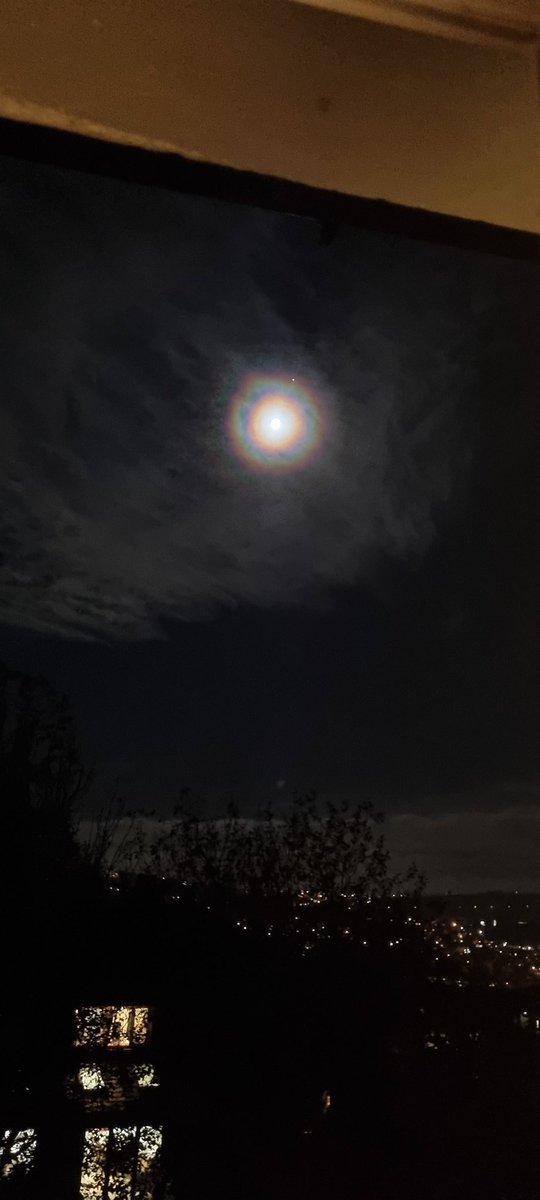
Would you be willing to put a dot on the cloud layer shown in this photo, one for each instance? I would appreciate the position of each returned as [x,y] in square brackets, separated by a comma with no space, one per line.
[129,320]
[470,851]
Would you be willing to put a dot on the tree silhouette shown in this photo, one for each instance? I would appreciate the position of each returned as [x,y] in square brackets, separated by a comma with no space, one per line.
[43,880]
[279,869]
[42,780]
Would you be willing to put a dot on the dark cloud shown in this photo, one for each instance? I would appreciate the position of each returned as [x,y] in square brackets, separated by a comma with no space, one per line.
[129,319]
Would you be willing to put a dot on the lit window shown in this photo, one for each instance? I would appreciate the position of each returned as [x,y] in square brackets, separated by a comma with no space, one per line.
[113,1027]
[91,1078]
[94,1164]
[119,1163]
[147,1161]
[145,1075]
[17,1151]
[139,1026]
[122,1163]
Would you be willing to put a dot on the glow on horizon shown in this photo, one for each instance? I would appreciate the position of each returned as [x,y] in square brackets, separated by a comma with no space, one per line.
[274,422]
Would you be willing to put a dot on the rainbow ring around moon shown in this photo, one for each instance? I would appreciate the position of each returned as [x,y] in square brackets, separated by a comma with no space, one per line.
[274,422]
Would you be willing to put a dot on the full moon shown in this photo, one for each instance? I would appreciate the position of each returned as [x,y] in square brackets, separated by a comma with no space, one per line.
[274,423]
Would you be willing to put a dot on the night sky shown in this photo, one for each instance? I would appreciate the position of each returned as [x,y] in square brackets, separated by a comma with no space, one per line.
[366,622]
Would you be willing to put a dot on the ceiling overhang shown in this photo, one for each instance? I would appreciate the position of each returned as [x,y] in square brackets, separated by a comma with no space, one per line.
[481,21]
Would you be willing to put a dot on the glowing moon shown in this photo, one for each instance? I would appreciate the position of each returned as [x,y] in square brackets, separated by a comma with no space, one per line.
[274,423]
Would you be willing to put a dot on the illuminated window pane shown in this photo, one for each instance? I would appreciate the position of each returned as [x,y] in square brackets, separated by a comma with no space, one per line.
[121,1026]
[89,1023]
[140,1025]
[123,1163]
[94,1163]
[17,1151]
[91,1078]
[145,1075]
[147,1162]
